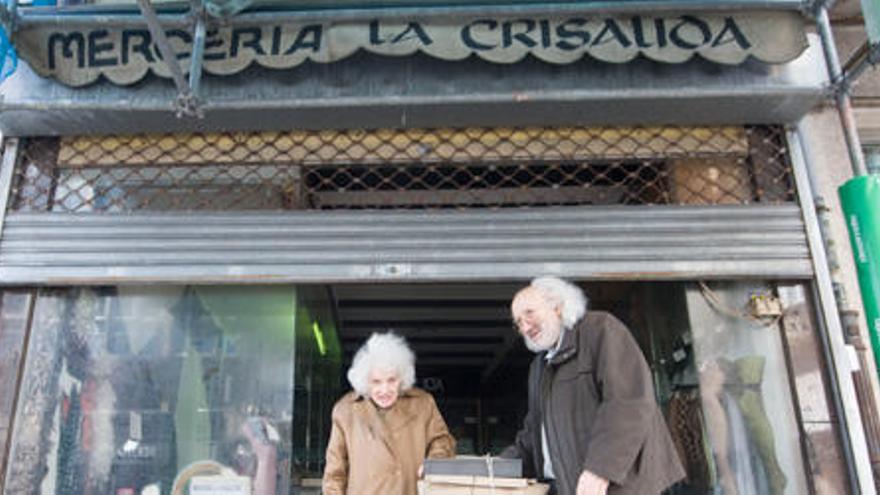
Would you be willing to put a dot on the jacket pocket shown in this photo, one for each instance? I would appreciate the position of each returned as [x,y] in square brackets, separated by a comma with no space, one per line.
[568,373]
[574,371]
[577,383]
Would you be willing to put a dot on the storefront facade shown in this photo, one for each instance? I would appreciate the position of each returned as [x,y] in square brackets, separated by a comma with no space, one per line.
[165,279]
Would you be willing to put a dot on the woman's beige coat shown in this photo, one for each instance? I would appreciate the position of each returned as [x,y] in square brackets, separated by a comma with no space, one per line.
[371,455]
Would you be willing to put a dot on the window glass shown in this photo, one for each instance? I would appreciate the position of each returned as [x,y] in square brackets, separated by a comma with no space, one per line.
[872,158]
[318,386]
[748,416]
[135,390]
[14,312]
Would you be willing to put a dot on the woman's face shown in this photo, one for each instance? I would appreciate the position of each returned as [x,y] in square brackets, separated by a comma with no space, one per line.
[384,386]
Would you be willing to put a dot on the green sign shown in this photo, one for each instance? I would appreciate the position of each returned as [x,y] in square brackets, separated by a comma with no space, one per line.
[860,198]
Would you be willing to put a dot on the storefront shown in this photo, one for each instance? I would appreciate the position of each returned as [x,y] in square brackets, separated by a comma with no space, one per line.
[168,281]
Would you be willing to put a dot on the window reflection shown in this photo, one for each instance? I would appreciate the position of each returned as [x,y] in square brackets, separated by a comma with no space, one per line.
[131,390]
[748,419]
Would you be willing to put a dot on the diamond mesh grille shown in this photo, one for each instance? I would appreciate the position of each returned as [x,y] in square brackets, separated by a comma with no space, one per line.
[422,168]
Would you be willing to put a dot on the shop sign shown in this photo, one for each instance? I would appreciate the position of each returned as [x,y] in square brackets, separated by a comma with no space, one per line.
[80,55]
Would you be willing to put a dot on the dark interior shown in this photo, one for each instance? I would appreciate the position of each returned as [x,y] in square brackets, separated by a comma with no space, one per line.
[468,354]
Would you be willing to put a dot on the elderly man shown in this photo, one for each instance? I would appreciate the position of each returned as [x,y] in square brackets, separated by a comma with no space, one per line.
[593,426]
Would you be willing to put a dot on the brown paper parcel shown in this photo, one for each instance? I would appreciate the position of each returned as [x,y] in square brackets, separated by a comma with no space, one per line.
[479,485]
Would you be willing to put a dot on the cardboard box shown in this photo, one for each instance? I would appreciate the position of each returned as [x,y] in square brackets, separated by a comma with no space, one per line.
[712,181]
[479,485]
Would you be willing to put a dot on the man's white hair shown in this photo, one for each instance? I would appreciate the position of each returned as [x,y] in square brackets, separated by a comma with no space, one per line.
[382,351]
[570,296]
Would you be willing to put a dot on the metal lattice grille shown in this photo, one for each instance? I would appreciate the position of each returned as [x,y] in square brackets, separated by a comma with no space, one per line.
[424,168]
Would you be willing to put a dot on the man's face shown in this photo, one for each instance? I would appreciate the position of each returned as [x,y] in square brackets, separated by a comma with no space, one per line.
[538,320]
[384,386]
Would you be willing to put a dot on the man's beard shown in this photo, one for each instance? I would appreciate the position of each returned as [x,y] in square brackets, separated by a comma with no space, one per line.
[538,347]
[532,346]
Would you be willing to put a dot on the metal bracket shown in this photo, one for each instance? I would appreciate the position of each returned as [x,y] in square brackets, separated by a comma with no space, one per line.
[866,56]
[811,7]
[187,102]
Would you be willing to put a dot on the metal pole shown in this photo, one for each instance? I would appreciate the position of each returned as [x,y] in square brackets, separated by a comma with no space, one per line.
[844,103]
[866,56]
[837,352]
[7,168]
[190,102]
[168,55]
[198,55]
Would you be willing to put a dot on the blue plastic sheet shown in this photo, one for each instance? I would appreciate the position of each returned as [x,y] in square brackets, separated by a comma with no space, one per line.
[8,58]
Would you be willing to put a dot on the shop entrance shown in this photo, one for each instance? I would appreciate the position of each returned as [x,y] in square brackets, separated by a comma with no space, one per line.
[468,355]
[720,376]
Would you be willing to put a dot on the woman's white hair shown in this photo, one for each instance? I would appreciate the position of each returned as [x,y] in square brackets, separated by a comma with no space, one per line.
[382,351]
[570,296]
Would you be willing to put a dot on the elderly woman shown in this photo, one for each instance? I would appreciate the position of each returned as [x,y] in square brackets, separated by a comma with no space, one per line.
[385,428]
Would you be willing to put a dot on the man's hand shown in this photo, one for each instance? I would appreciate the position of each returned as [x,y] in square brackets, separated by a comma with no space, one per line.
[590,484]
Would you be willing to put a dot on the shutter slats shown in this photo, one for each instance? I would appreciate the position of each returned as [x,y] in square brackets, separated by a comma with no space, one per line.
[651,242]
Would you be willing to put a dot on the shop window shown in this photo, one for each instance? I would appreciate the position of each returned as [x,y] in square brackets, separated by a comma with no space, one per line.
[730,404]
[15,310]
[872,158]
[139,390]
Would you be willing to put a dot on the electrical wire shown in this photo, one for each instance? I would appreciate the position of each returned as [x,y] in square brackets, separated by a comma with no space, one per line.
[720,306]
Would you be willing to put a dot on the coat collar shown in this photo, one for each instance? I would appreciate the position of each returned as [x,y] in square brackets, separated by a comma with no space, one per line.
[568,347]
[409,393]
[396,418]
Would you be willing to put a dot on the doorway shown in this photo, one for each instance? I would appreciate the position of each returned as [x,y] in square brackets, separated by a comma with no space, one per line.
[467,353]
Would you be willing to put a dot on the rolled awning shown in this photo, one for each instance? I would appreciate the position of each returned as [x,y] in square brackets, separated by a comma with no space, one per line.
[81,53]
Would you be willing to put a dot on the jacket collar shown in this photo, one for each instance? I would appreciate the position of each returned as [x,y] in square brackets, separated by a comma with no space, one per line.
[356,397]
[396,418]
[567,348]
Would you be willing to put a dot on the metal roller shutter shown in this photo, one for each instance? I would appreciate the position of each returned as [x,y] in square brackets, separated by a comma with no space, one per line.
[611,242]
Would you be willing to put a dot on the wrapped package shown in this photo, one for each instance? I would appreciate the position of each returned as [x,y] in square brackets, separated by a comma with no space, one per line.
[443,484]
[465,465]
